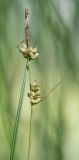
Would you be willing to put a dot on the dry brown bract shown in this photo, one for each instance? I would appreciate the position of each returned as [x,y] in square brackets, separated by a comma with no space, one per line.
[35,93]
[29,53]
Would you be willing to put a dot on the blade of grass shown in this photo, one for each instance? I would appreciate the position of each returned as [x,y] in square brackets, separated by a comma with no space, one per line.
[50,91]
[15,131]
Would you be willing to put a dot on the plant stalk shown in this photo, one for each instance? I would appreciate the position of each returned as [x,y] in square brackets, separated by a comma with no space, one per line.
[31,116]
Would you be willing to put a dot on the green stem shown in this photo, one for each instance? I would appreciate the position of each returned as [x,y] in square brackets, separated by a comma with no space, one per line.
[18,116]
[30,130]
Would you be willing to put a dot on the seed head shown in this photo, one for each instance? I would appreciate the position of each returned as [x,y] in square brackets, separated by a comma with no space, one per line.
[28,53]
[35,93]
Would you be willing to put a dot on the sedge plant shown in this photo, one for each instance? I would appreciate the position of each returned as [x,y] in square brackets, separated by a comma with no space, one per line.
[34,94]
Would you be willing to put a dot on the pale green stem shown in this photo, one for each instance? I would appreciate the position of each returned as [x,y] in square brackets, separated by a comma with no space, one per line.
[30,132]
[15,131]
[30,129]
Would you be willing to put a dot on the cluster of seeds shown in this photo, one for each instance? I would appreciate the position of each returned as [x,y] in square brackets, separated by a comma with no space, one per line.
[35,93]
[28,53]
[31,54]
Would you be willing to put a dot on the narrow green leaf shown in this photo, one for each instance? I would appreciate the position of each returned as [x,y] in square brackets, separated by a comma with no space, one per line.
[15,131]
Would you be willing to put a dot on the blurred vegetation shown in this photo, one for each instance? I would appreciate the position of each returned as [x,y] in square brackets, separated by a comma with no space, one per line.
[54,29]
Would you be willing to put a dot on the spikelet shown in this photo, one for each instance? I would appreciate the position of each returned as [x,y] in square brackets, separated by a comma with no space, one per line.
[28,53]
[35,93]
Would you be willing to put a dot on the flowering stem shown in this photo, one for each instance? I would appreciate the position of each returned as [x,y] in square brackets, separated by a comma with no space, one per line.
[30,133]
[18,115]
[30,130]
[29,75]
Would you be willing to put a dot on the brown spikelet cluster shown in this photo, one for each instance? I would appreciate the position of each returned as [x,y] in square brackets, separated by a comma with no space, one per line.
[31,54]
[28,53]
[35,93]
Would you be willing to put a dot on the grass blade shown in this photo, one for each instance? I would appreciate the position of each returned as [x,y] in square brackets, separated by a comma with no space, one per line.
[18,115]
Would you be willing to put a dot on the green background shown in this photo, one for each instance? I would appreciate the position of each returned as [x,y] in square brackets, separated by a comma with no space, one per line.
[54,30]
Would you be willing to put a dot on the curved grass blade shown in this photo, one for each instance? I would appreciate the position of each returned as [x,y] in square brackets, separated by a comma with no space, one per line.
[50,91]
[18,115]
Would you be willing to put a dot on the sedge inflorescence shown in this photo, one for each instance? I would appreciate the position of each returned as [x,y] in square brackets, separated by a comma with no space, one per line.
[31,54]
[28,53]
[35,92]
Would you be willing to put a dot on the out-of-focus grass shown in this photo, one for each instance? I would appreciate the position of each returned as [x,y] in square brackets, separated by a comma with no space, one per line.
[55,131]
